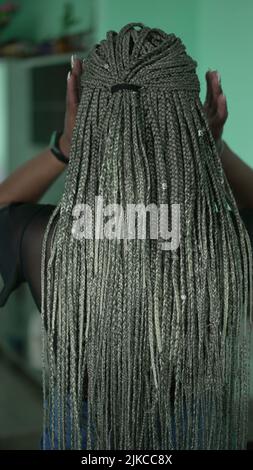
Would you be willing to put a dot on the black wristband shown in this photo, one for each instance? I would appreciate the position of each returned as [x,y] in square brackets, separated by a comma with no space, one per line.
[55,147]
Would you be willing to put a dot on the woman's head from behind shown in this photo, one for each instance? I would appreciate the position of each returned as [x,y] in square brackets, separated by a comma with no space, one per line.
[136,87]
[156,329]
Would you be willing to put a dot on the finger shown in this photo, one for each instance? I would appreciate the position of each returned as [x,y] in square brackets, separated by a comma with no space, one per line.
[208,88]
[77,67]
[222,110]
[212,84]
[72,93]
[217,122]
[215,91]
[77,72]
[217,83]
[215,128]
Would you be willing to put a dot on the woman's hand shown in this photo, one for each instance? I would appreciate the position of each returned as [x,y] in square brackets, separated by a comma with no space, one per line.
[215,105]
[72,102]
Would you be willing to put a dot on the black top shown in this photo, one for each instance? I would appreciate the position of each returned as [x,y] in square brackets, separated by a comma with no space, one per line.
[22,227]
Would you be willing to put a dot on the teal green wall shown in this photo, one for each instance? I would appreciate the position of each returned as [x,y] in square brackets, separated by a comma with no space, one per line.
[41,19]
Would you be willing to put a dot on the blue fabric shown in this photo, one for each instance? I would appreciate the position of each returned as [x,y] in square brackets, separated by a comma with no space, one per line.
[47,433]
[176,445]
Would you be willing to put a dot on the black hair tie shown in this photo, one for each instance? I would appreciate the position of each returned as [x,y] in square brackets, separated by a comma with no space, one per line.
[125,86]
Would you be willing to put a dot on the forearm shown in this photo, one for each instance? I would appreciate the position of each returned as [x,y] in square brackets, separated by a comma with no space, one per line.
[240,177]
[30,181]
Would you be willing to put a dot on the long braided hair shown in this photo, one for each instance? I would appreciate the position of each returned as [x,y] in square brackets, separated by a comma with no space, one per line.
[161,335]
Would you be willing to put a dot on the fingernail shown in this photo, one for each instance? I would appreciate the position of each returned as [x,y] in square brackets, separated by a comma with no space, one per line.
[73,58]
[69,75]
[219,77]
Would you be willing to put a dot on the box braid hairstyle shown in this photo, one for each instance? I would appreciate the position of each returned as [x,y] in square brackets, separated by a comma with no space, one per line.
[162,335]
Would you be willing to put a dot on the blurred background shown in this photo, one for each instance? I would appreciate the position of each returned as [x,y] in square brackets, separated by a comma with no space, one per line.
[36,43]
